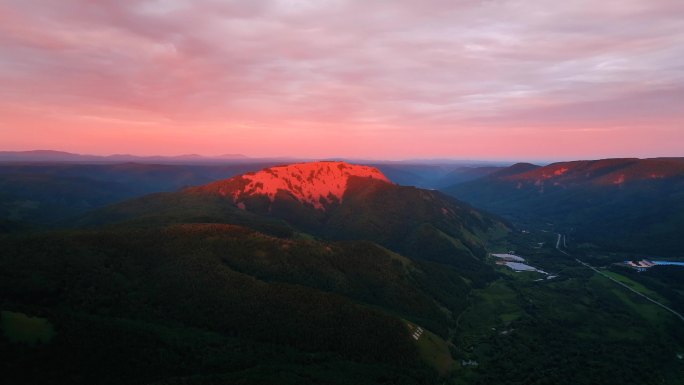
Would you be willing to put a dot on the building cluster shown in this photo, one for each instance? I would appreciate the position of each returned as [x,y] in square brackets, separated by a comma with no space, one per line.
[417,333]
[640,265]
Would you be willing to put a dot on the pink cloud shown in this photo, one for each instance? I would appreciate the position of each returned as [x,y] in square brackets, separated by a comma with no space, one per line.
[393,79]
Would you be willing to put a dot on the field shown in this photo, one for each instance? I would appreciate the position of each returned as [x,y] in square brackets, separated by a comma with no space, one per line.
[636,286]
[434,350]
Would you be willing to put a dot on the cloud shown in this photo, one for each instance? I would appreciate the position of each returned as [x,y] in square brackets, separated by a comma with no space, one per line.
[429,68]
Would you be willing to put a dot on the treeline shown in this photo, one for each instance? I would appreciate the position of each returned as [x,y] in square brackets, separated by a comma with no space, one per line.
[118,298]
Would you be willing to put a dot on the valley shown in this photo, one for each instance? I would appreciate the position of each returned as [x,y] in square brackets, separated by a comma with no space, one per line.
[623,281]
[529,318]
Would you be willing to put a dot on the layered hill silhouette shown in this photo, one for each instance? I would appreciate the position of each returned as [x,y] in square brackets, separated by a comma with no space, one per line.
[45,193]
[42,191]
[629,204]
[62,156]
[332,200]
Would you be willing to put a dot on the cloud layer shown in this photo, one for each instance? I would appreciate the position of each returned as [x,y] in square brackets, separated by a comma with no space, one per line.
[398,79]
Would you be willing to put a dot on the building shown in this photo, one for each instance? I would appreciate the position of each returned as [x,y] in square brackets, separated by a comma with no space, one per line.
[642,265]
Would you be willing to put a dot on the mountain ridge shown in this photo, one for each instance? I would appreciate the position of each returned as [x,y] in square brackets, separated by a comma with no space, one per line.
[603,171]
[627,204]
[315,183]
[330,200]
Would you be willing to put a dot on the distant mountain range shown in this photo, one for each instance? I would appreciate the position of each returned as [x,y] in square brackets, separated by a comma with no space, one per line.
[61,156]
[44,193]
[422,173]
[626,204]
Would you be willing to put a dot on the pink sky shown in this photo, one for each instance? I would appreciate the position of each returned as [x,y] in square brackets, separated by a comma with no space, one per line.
[488,79]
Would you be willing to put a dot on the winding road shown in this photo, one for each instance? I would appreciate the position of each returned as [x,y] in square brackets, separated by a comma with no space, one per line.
[681,317]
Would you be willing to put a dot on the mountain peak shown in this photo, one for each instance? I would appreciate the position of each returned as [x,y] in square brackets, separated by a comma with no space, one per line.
[314,183]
